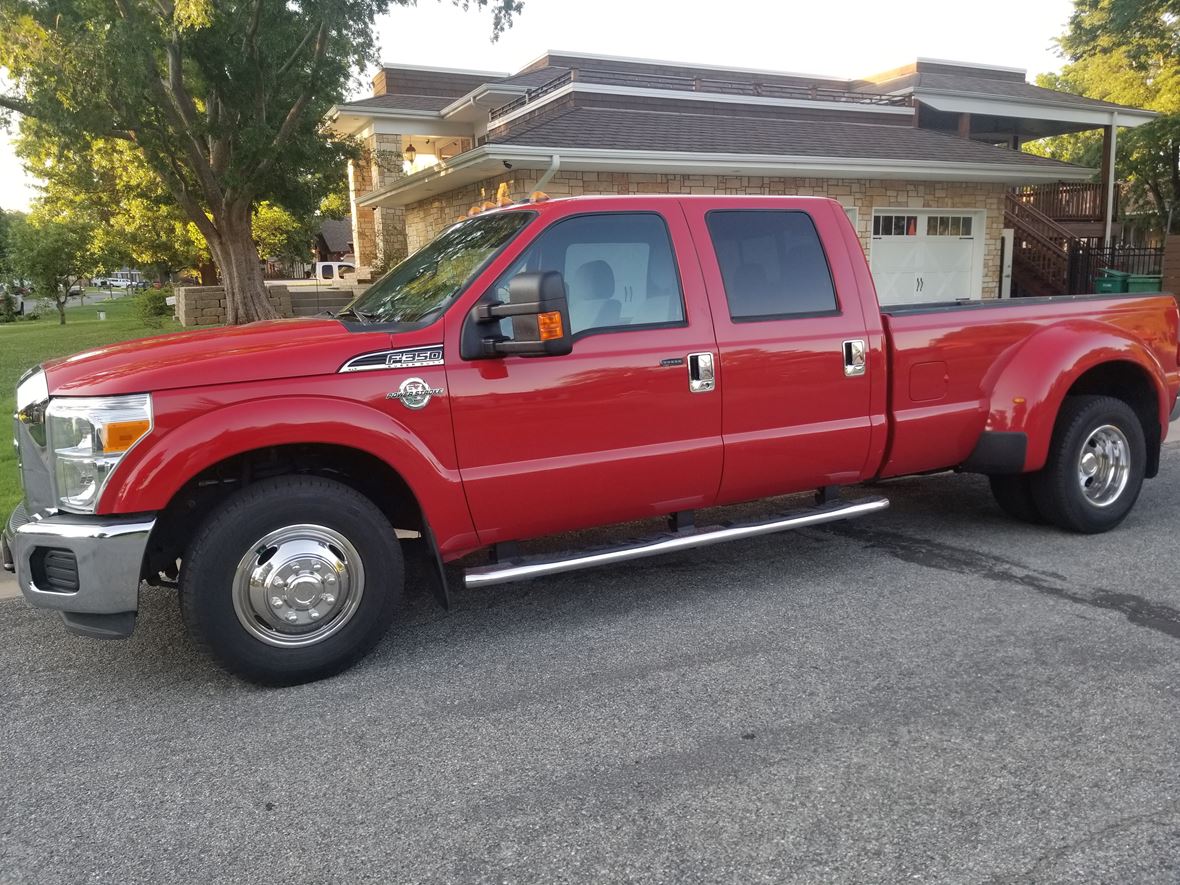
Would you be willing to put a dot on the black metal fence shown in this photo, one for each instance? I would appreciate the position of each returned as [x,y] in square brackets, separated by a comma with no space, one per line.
[1086,262]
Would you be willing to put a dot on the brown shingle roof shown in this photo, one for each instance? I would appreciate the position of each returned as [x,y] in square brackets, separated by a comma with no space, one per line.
[985,86]
[587,127]
[403,102]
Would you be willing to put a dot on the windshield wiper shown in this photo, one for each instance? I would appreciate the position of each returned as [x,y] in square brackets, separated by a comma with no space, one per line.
[363,317]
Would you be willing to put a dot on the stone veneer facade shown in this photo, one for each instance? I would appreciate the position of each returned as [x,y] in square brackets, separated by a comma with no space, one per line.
[426,218]
[1171,268]
[378,235]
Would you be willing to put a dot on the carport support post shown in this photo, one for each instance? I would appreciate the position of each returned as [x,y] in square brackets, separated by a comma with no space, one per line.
[1110,137]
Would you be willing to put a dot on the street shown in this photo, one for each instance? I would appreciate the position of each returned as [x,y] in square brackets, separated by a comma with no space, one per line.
[934,694]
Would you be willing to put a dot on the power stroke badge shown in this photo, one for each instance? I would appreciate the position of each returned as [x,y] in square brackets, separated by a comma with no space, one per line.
[414,393]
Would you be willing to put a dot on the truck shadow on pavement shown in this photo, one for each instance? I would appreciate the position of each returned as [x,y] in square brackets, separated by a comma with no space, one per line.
[946,523]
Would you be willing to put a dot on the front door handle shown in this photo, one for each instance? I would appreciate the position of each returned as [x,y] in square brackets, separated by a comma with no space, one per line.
[700,372]
[854,357]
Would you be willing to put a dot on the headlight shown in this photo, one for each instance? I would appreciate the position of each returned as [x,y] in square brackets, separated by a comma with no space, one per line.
[32,389]
[88,436]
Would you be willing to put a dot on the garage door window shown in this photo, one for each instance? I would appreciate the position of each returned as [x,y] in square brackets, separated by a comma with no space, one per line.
[895,225]
[772,265]
[948,226]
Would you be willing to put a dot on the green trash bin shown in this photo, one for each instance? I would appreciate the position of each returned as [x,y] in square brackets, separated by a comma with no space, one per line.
[1142,282]
[1111,281]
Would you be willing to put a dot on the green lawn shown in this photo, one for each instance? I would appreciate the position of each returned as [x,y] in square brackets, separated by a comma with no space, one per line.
[26,343]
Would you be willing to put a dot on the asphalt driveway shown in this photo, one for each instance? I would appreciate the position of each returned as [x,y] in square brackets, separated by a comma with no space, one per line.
[933,694]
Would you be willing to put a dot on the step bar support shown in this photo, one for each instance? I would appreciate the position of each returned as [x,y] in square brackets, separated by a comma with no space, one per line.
[526,567]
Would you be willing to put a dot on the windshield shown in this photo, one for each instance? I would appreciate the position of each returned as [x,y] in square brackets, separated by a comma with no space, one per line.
[420,288]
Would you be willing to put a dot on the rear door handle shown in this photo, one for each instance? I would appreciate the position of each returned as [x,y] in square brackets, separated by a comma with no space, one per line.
[700,372]
[854,357]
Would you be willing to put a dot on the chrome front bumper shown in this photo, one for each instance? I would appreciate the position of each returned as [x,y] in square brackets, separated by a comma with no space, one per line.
[108,554]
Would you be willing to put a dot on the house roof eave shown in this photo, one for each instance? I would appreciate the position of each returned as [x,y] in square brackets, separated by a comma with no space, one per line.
[488,160]
[1031,108]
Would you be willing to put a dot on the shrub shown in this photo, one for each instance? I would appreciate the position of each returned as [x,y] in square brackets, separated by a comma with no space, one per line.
[151,305]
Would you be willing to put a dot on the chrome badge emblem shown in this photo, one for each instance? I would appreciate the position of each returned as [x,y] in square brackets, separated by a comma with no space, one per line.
[414,393]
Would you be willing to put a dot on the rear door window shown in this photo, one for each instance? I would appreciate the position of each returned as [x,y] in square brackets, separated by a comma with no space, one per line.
[772,264]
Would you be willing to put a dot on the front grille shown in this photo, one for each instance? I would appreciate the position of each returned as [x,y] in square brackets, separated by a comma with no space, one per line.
[33,456]
[54,570]
[18,517]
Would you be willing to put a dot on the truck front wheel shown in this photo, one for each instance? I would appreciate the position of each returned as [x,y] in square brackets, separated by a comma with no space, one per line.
[1096,463]
[292,579]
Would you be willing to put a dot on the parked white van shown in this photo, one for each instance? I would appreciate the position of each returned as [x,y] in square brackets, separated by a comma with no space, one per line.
[335,271]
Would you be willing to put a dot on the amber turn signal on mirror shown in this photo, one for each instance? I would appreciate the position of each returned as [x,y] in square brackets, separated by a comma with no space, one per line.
[549,325]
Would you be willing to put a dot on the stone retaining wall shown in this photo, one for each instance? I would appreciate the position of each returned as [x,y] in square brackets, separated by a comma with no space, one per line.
[205,305]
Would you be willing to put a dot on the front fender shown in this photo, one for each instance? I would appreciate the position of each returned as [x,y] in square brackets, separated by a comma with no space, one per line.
[1025,388]
[190,440]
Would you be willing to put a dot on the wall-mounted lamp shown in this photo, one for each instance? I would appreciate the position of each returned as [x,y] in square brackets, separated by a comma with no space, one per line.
[411,153]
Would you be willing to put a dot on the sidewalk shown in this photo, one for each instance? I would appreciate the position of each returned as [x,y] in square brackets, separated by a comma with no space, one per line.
[8,589]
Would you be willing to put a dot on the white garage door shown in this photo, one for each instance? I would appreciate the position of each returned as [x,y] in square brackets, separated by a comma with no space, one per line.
[922,255]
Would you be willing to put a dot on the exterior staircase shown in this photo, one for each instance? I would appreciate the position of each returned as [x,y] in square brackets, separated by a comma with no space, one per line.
[1041,249]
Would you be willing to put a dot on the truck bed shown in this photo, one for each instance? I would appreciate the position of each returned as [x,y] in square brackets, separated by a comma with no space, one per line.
[941,355]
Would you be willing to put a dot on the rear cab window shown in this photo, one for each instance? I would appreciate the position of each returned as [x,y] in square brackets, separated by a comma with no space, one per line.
[772,264]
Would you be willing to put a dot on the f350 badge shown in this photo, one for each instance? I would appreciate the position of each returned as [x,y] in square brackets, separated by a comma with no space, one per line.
[414,393]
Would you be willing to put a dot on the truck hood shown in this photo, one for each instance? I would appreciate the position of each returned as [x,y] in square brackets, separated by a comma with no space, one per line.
[262,351]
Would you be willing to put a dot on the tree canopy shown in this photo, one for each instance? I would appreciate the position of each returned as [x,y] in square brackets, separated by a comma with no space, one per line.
[1128,52]
[223,101]
[54,255]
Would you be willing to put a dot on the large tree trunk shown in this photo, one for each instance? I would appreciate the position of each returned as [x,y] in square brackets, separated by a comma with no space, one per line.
[237,259]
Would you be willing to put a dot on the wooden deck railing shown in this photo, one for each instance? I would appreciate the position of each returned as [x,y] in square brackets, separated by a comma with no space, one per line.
[1067,201]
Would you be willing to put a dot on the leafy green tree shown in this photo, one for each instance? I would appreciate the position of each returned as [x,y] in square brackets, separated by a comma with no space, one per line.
[54,255]
[1127,51]
[7,275]
[280,235]
[224,100]
[132,217]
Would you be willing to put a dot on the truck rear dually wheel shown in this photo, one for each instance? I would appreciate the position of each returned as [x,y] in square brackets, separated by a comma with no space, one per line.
[1096,464]
[292,579]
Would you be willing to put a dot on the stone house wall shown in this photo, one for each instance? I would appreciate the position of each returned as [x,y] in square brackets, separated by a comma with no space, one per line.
[205,305]
[1171,268]
[378,235]
[426,218]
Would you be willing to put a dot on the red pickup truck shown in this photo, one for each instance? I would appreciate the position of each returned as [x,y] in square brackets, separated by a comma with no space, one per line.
[545,367]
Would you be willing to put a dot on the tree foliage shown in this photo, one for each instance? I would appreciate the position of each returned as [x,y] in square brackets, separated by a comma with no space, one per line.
[54,255]
[280,235]
[132,218]
[1127,52]
[223,100]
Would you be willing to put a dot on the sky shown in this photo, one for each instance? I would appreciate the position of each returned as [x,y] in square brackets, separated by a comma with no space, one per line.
[845,38]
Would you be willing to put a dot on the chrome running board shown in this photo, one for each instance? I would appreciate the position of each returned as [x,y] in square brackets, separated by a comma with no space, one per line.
[524,567]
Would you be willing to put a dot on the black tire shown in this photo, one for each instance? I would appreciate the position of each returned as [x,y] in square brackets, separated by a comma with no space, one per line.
[207,577]
[1016,498]
[1058,489]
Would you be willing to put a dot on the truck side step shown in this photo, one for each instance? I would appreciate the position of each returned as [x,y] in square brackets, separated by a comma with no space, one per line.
[524,567]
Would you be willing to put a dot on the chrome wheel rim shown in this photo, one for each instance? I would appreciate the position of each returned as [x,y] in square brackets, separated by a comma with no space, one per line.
[298,585]
[1104,464]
